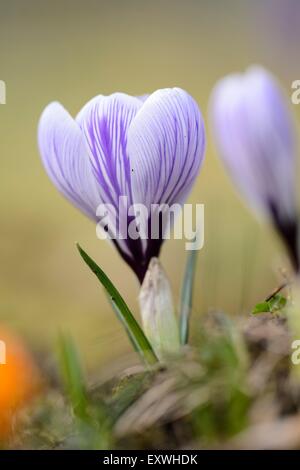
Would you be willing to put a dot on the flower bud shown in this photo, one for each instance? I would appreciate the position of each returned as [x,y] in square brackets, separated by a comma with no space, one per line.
[157,311]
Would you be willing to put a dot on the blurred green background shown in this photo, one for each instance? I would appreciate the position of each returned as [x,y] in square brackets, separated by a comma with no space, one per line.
[72,50]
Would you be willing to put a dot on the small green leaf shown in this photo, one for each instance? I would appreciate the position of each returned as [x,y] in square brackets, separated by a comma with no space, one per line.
[72,375]
[261,308]
[274,304]
[187,296]
[277,302]
[132,327]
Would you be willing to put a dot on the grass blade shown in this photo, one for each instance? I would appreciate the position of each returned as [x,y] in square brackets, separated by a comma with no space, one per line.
[187,296]
[133,329]
[72,375]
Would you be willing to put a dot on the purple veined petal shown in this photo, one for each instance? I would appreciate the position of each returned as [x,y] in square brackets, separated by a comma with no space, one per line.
[166,147]
[65,158]
[85,109]
[105,122]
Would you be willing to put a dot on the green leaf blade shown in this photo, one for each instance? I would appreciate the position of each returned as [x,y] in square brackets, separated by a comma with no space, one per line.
[187,296]
[72,375]
[134,331]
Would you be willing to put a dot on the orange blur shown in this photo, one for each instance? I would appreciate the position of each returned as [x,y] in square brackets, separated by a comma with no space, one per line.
[19,381]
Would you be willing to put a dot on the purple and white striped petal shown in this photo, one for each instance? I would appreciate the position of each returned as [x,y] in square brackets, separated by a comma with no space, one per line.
[66,160]
[166,147]
[105,122]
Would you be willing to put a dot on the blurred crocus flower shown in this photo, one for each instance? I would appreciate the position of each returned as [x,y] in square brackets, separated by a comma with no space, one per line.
[254,131]
[147,149]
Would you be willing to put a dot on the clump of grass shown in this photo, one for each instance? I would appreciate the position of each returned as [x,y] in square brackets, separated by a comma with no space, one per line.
[220,392]
[235,378]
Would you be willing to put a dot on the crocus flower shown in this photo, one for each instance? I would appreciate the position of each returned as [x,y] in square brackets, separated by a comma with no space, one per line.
[148,149]
[254,131]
